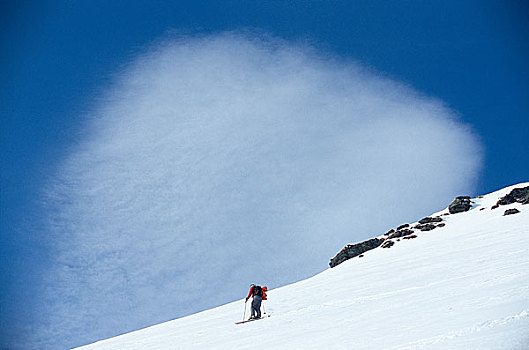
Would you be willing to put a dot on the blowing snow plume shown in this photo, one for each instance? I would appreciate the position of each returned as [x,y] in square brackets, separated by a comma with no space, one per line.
[219,161]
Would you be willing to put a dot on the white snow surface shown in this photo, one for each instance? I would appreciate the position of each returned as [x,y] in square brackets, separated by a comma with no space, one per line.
[461,286]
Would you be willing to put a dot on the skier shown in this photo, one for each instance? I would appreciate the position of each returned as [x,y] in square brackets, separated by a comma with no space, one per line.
[258,294]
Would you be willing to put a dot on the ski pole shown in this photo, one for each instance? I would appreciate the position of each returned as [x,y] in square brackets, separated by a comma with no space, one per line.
[244,314]
[264,311]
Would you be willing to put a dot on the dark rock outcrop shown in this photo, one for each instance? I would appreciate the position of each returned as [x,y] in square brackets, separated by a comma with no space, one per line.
[511,211]
[460,204]
[352,250]
[403,226]
[428,220]
[409,237]
[389,232]
[425,227]
[401,233]
[518,195]
[387,244]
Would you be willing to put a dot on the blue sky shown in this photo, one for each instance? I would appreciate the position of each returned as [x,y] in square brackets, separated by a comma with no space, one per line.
[60,56]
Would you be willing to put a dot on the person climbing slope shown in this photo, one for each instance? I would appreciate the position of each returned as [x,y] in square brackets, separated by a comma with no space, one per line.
[259,294]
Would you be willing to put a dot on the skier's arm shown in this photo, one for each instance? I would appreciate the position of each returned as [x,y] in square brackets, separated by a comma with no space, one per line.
[249,293]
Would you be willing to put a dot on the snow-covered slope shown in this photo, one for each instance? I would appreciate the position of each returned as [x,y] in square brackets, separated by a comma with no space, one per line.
[461,286]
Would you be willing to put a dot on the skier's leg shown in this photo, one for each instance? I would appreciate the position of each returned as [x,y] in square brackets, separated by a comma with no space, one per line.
[254,311]
[256,304]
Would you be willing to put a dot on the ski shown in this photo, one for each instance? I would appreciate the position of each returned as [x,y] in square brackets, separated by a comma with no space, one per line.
[246,321]
[252,319]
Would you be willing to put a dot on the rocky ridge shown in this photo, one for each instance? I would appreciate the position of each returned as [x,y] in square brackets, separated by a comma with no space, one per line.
[409,231]
[518,195]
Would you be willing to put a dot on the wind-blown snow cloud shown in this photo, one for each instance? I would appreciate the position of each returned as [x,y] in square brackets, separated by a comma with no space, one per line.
[219,161]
